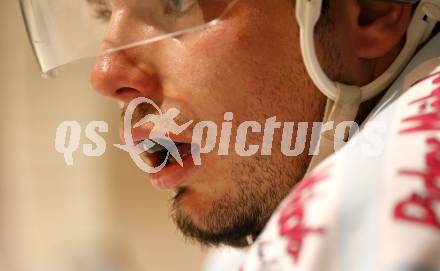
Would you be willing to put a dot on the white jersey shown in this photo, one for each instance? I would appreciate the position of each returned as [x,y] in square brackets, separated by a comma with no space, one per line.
[374,204]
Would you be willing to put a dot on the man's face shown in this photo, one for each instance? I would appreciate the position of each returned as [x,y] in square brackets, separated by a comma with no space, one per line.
[249,64]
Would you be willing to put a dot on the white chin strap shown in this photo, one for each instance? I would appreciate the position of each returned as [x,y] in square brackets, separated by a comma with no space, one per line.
[344,100]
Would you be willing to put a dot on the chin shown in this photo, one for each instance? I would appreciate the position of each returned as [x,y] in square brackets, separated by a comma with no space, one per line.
[213,221]
[192,204]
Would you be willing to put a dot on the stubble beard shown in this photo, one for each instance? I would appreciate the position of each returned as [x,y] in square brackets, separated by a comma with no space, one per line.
[242,212]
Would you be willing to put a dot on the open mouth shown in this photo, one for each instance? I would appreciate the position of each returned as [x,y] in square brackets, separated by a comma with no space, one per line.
[157,150]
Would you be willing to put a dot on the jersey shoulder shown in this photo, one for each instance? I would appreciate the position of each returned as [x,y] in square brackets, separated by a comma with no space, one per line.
[373,205]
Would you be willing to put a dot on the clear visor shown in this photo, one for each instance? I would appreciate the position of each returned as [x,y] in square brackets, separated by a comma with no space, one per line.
[64,31]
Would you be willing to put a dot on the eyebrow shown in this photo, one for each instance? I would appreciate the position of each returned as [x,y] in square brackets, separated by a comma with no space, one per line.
[100,7]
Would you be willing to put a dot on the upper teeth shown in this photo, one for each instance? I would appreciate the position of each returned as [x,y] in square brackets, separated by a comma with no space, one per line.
[155,145]
[150,146]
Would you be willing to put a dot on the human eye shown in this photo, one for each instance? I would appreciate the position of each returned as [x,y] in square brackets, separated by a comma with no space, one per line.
[178,6]
[101,9]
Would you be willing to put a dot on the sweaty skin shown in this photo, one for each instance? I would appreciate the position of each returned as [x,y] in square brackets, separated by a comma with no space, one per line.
[249,64]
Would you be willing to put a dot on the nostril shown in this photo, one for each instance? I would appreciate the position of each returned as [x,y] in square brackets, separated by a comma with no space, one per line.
[127,93]
[125,90]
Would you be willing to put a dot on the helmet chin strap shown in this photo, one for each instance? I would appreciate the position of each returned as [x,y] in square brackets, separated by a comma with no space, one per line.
[344,100]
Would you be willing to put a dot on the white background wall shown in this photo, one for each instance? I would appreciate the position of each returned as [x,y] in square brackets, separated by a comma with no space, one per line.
[100,214]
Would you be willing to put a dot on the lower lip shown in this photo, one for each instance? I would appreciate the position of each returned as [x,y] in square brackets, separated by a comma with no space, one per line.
[172,176]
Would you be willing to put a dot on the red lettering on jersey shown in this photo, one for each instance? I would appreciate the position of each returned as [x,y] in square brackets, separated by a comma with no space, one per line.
[437,79]
[431,175]
[292,218]
[419,207]
[423,79]
[426,121]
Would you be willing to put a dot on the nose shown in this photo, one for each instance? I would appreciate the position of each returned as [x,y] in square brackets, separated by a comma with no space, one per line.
[126,74]
[123,78]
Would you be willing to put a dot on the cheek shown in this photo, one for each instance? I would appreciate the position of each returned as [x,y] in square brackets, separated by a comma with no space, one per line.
[240,63]
[247,66]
